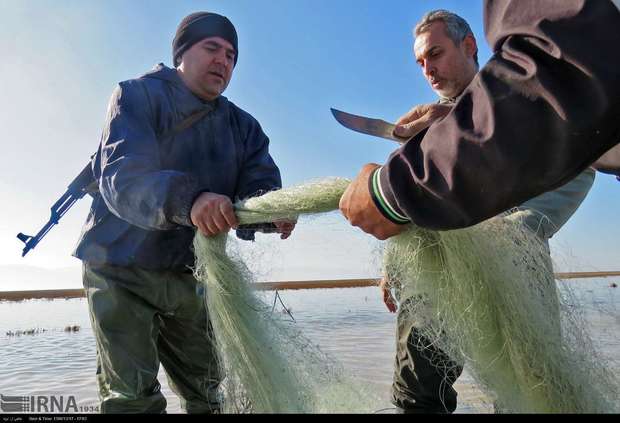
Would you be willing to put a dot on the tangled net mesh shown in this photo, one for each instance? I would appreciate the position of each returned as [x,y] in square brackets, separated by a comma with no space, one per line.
[270,366]
[486,296]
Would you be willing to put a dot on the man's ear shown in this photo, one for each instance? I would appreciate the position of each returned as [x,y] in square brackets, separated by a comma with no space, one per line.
[470,45]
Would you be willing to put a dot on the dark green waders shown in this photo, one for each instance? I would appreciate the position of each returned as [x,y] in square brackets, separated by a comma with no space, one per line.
[423,374]
[140,319]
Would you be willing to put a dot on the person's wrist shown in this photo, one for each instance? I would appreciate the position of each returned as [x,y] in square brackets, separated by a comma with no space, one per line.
[381,201]
[195,198]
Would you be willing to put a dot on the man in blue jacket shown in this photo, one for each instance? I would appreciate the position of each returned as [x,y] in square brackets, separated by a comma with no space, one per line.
[174,155]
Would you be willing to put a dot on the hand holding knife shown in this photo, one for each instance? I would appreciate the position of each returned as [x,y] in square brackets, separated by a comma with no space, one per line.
[408,126]
[358,204]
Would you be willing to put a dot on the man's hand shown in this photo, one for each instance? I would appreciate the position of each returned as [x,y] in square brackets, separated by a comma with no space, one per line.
[213,214]
[419,118]
[285,227]
[357,206]
[389,301]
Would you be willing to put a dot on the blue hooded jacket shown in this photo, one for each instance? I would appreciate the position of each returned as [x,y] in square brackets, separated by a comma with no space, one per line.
[148,183]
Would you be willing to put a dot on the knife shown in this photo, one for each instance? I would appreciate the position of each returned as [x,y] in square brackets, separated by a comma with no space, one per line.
[369,126]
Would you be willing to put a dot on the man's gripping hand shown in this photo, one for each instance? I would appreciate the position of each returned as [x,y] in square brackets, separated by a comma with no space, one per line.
[419,118]
[285,227]
[213,214]
[388,299]
[359,208]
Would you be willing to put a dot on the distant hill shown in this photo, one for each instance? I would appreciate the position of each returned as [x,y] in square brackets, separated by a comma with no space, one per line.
[30,278]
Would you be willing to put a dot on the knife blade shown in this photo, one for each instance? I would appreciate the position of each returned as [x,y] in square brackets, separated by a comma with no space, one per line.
[369,126]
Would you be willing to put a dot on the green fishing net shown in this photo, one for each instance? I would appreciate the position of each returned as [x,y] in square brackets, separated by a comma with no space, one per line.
[485,295]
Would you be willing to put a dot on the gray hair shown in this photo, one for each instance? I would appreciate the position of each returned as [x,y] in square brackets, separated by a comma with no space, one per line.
[457,28]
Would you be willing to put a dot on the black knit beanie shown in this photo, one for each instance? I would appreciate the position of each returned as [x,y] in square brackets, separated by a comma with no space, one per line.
[198,26]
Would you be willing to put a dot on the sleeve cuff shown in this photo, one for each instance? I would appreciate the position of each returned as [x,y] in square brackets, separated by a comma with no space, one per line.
[180,210]
[384,199]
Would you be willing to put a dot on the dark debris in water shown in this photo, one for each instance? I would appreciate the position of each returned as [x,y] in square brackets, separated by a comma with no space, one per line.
[37,331]
[26,332]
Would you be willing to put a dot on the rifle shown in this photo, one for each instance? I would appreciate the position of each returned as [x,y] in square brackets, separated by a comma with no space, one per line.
[83,184]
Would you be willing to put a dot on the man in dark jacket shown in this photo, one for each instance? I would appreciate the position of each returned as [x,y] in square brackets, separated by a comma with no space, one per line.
[544,108]
[174,155]
[446,50]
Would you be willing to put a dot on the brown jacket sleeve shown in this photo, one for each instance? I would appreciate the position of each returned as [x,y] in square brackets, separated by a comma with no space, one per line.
[545,107]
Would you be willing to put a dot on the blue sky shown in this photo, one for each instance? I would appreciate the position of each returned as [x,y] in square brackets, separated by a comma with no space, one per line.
[297,58]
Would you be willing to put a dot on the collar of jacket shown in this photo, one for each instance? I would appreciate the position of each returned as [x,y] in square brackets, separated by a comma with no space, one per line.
[187,102]
[444,100]
[452,100]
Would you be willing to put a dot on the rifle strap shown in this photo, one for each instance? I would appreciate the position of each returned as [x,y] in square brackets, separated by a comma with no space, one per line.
[187,123]
[92,186]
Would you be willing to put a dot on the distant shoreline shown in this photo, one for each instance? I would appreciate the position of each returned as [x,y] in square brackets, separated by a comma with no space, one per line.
[266,286]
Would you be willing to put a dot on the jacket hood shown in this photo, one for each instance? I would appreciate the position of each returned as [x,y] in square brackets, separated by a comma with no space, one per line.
[163,72]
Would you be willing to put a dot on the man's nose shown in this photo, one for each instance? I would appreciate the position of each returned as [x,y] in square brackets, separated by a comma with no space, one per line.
[429,70]
[221,58]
